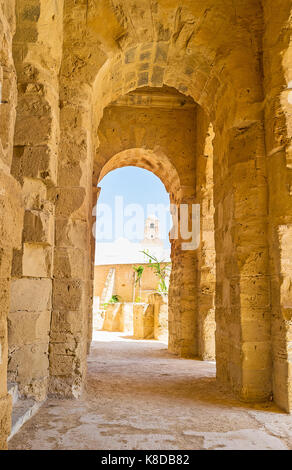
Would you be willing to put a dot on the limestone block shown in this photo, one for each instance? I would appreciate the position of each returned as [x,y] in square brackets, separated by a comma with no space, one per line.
[256,355]
[256,385]
[143,321]
[38,227]
[36,389]
[254,292]
[71,201]
[98,319]
[68,294]
[69,263]
[33,130]
[126,317]
[61,365]
[37,260]
[39,162]
[32,295]
[71,233]
[112,317]
[29,363]
[160,303]
[257,329]
[26,328]
[65,346]
[11,211]
[66,322]
[6,128]
[34,193]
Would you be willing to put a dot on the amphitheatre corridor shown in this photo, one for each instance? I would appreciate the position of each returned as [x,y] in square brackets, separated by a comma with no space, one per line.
[139,396]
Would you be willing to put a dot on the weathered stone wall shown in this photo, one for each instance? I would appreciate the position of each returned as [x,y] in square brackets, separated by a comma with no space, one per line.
[37,51]
[112,318]
[277,68]
[143,321]
[11,213]
[73,196]
[234,61]
[206,270]
[124,285]
[160,305]
[116,317]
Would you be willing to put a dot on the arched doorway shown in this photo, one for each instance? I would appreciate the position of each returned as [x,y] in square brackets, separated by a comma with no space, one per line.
[133,221]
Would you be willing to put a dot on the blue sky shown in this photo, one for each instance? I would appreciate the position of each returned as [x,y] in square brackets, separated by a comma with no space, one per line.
[136,186]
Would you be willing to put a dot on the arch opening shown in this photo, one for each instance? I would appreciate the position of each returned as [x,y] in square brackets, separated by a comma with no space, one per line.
[130,293]
[67,92]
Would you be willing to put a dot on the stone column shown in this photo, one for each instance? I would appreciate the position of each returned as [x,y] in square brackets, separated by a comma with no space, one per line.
[243,340]
[95,196]
[206,253]
[11,209]
[278,91]
[37,55]
[72,285]
[72,267]
[183,338]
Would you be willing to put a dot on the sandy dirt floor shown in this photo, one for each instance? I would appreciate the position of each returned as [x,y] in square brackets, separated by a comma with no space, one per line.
[138,396]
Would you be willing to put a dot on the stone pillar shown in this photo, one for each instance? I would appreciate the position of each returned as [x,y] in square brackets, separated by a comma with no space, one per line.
[37,55]
[95,196]
[11,209]
[182,321]
[243,339]
[206,253]
[160,303]
[72,285]
[278,92]
[143,321]
[72,267]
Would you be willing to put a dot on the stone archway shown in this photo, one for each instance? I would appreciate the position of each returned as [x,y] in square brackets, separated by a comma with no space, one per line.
[156,162]
[68,72]
[179,317]
[153,160]
[167,123]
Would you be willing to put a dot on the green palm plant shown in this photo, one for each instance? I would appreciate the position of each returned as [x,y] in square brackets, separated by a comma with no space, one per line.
[161,269]
[138,270]
[139,273]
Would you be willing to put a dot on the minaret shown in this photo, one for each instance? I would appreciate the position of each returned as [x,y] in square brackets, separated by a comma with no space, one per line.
[151,232]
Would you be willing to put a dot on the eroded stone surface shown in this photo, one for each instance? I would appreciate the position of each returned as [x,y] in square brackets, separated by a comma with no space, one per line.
[70,72]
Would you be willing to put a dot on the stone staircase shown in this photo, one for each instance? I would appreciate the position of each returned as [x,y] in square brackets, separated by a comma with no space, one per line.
[22,409]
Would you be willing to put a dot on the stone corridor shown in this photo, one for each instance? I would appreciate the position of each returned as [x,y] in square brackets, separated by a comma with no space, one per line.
[200,94]
[139,396]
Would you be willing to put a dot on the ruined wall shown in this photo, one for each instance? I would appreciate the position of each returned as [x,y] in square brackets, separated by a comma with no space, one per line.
[277,66]
[11,213]
[143,321]
[124,282]
[37,50]
[160,305]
